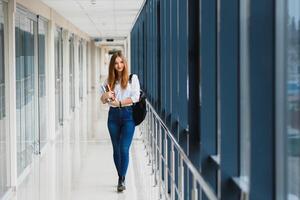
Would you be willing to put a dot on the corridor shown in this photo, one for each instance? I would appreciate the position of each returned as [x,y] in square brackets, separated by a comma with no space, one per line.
[218,82]
[74,168]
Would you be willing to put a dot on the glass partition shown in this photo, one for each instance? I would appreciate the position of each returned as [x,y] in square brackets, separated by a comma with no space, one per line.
[292,95]
[72,73]
[26,65]
[58,77]
[4,134]
[288,99]
[80,56]
[42,43]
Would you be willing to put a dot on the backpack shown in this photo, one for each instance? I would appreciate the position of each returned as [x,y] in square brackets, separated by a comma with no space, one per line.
[139,108]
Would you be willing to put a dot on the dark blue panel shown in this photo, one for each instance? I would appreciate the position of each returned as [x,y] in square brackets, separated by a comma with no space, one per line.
[168,75]
[193,74]
[262,99]
[159,82]
[163,58]
[183,63]
[150,42]
[174,64]
[229,87]
[152,76]
[155,53]
[144,55]
[147,51]
[208,49]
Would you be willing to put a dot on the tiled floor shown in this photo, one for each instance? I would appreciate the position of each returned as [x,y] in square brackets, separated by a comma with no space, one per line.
[78,165]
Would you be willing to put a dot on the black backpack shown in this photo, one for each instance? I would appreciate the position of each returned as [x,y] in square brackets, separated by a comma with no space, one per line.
[139,108]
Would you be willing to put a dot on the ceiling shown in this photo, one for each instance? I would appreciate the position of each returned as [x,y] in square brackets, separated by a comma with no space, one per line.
[99,18]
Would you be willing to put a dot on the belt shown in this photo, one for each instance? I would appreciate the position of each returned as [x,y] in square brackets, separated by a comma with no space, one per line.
[123,106]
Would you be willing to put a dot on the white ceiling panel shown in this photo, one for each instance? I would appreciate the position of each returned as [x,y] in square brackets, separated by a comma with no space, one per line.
[99,18]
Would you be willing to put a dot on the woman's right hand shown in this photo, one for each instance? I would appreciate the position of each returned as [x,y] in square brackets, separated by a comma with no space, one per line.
[107,96]
[110,95]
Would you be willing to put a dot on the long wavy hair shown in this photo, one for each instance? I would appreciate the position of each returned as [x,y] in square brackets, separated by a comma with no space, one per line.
[113,74]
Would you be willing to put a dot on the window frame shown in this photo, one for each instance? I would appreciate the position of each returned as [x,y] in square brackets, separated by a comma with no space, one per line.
[244,113]
[8,157]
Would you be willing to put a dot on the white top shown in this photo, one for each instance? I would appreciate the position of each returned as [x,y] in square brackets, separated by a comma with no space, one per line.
[132,90]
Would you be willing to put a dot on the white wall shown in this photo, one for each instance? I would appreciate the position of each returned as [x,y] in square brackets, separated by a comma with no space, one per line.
[104,62]
[91,61]
[95,71]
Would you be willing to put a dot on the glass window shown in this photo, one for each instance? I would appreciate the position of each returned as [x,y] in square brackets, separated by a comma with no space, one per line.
[80,56]
[72,74]
[26,32]
[42,41]
[292,94]
[4,135]
[2,72]
[58,77]
[87,67]
[244,93]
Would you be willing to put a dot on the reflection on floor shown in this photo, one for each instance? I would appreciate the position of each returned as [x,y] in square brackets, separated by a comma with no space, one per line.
[79,165]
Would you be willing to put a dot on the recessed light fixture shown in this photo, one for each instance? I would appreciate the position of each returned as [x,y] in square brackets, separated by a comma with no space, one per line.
[93,2]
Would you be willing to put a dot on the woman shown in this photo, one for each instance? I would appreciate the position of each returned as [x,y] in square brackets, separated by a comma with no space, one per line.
[120,97]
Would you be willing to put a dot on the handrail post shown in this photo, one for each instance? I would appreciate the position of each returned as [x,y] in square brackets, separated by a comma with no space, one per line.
[190,184]
[160,162]
[152,142]
[155,153]
[195,190]
[172,171]
[150,138]
[181,178]
[166,163]
[147,133]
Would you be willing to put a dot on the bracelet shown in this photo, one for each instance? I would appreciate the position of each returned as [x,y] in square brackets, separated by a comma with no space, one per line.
[120,104]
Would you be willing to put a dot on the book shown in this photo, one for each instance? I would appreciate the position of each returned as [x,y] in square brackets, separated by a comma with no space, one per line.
[106,88]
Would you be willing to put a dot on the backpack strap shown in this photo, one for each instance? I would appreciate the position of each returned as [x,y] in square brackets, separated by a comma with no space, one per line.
[130,77]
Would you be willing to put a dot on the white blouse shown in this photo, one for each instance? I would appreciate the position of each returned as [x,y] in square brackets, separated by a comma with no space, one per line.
[132,90]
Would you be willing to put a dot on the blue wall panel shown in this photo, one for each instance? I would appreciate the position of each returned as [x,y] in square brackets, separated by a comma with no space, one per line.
[229,85]
[262,98]
[208,49]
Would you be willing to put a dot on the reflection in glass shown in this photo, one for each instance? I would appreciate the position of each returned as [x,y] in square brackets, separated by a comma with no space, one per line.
[293,98]
[72,74]
[4,137]
[42,36]
[80,56]
[25,32]
[58,77]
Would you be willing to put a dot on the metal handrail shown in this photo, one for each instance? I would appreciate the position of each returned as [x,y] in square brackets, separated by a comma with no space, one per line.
[154,148]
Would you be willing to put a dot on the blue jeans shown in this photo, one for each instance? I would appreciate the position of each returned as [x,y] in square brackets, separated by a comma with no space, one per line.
[121,128]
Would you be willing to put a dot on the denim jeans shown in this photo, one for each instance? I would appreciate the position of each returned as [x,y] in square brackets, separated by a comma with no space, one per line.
[121,128]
